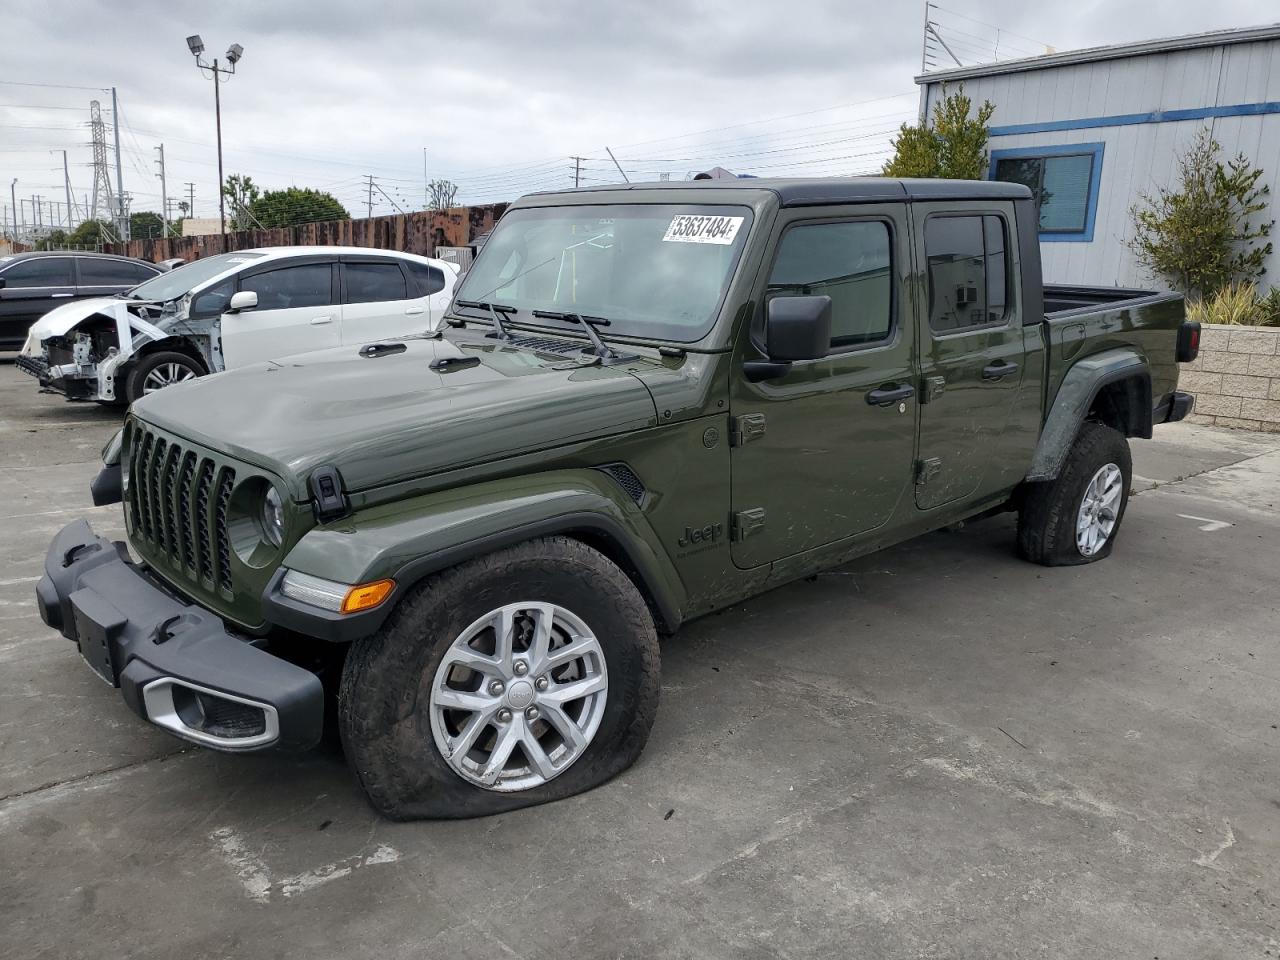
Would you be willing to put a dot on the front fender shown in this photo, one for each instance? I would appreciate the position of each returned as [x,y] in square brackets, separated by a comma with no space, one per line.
[1076,395]
[413,538]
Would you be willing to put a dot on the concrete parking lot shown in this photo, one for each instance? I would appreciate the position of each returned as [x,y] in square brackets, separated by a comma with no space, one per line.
[938,751]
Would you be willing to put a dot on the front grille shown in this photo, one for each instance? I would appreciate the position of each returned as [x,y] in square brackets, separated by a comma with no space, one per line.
[178,501]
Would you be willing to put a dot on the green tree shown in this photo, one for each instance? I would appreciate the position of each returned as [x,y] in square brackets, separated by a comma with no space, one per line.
[145,225]
[1206,232]
[56,240]
[955,146]
[91,233]
[240,192]
[286,208]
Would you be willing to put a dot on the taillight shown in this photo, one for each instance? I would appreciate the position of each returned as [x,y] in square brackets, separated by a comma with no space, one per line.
[1188,341]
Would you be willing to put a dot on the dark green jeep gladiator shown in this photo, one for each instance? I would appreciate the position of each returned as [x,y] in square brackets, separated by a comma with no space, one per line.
[647,403]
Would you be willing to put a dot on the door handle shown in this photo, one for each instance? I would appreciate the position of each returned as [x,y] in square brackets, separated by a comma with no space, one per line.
[998,371]
[888,396]
[59,296]
[413,311]
[318,321]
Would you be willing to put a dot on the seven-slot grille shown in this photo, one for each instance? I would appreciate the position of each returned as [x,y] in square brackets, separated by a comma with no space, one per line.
[179,499]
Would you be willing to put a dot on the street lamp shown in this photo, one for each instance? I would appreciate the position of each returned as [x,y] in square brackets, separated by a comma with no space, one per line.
[13,195]
[220,75]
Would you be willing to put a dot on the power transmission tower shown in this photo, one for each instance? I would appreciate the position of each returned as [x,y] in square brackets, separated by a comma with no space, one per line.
[103,196]
[164,194]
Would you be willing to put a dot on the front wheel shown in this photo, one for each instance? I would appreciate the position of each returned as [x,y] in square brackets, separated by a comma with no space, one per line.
[155,371]
[1075,518]
[521,677]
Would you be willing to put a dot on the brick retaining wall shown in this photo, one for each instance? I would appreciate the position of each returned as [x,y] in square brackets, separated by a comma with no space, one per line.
[1236,378]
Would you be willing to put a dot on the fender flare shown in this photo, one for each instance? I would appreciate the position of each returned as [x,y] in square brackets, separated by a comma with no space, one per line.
[409,540]
[1080,387]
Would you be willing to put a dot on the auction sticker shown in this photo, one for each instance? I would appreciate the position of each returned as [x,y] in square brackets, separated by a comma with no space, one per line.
[691,228]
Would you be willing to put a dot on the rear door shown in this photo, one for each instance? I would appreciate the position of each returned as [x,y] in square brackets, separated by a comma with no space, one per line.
[380,300]
[820,454]
[971,347]
[296,312]
[105,276]
[435,284]
[32,287]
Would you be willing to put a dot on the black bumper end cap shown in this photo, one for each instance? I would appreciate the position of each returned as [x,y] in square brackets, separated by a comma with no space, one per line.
[1180,407]
[108,486]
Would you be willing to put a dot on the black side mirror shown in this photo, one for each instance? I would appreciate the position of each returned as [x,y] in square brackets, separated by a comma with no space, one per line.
[1,283]
[795,328]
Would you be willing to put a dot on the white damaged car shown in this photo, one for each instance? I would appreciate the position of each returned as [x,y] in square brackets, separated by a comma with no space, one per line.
[230,310]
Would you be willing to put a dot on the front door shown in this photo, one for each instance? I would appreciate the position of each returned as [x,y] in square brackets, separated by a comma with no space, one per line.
[824,452]
[971,351]
[296,313]
[32,287]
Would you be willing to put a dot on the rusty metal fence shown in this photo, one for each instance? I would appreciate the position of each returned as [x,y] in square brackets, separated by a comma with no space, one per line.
[418,233]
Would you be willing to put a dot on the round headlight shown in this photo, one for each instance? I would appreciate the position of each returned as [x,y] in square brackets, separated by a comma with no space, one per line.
[272,517]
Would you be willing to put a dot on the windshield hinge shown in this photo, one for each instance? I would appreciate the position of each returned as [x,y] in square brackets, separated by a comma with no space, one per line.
[746,522]
[745,428]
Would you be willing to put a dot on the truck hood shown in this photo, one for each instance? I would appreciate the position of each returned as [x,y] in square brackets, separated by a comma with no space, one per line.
[384,419]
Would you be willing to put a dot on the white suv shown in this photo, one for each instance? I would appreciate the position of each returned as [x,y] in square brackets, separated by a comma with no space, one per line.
[234,309]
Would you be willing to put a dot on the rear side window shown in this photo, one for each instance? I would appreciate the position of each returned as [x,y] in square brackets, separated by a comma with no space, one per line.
[428,278]
[113,273]
[849,262]
[374,282]
[39,272]
[968,272]
[306,285]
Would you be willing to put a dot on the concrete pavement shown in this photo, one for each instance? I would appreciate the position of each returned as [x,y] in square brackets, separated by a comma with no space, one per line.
[937,751]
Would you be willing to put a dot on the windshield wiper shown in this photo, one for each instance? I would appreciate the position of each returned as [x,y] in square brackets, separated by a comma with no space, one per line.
[588,323]
[496,310]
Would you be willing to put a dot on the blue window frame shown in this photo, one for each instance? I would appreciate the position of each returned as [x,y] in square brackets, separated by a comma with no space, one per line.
[1064,181]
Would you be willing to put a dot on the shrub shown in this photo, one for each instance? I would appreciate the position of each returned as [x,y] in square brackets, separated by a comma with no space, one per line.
[1236,304]
[1203,235]
[1269,308]
[955,146]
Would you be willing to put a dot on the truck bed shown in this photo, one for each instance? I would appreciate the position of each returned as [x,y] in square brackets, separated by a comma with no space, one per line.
[1083,321]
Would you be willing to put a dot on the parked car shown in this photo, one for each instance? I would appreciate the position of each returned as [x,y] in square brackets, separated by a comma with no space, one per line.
[230,310]
[652,402]
[32,284]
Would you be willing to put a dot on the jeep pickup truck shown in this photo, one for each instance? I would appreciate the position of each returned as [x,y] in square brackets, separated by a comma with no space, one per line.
[648,402]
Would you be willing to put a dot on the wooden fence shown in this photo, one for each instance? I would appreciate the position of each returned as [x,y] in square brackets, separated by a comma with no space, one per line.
[418,233]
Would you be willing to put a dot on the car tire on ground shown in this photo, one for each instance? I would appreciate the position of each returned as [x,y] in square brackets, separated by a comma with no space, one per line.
[441,717]
[1076,517]
[158,370]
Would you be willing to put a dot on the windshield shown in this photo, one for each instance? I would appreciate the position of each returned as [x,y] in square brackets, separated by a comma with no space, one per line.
[177,282]
[652,270]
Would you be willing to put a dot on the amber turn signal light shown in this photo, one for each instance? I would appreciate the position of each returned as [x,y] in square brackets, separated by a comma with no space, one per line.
[367,596]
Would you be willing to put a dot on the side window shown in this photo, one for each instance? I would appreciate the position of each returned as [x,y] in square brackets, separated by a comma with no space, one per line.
[306,285]
[968,272]
[95,272]
[428,278]
[39,272]
[374,282]
[849,262]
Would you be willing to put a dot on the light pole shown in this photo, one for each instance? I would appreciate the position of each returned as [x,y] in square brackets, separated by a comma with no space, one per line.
[234,53]
[13,195]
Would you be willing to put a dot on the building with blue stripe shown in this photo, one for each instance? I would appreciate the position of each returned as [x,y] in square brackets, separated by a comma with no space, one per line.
[1092,130]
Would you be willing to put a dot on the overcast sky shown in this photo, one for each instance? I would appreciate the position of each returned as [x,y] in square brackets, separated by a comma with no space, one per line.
[502,93]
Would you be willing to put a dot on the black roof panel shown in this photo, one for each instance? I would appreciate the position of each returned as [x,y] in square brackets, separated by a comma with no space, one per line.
[808,192]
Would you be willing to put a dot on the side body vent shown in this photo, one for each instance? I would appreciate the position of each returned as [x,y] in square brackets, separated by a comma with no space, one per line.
[626,478]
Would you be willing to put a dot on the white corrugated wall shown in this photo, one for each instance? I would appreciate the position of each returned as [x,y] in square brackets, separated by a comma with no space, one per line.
[1140,157]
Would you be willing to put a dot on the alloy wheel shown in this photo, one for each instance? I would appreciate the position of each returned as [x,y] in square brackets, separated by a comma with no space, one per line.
[1099,509]
[166,374]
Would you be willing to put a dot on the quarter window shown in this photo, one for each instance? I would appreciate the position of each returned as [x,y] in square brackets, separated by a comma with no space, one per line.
[375,282]
[39,272]
[849,262]
[968,271]
[306,285]
[430,279]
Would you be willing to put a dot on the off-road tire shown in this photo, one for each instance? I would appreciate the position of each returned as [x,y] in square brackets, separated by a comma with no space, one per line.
[384,710]
[1047,517]
[137,376]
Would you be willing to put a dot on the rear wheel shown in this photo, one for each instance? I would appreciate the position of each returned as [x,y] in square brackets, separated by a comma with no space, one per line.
[511,680]
[155,371]
[1075,518]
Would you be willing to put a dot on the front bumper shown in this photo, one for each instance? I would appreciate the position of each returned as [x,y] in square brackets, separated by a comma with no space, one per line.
[82,386]
[175,664]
